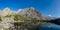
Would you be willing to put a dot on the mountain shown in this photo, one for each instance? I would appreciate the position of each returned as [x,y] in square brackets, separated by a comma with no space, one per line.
[6,11]
[31,13]
[50,18]
[55,21]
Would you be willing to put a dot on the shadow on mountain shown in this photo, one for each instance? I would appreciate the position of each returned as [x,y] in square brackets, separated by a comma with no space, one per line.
[55,21]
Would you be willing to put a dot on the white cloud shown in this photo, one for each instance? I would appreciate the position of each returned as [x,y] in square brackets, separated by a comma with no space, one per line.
[50,15]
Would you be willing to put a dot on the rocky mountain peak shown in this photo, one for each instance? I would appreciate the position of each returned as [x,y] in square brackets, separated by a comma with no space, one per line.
[31,13]
[6,9]
[31,8]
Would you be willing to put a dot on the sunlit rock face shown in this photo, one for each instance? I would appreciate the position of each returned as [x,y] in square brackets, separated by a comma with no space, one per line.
[31,13]
[1,13]
[6,11]
[9,20]
[6,22]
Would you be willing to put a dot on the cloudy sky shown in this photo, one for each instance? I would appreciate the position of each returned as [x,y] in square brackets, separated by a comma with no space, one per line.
[46,7]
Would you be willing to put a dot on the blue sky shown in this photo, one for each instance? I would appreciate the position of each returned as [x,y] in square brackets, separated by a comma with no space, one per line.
[46,7]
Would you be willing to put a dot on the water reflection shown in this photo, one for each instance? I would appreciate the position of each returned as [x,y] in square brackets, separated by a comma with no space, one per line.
[49,26]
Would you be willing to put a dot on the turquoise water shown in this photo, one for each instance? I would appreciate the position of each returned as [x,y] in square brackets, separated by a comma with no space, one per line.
[49,26]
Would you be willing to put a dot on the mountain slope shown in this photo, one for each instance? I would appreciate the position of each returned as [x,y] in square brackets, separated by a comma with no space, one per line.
[30,13]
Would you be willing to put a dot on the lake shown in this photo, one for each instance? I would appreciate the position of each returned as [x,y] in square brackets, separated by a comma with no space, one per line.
[49,26]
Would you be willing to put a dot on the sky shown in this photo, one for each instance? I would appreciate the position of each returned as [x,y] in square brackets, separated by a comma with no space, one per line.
[45,7]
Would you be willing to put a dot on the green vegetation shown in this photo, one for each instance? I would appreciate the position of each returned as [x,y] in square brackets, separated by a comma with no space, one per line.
[8,15]
[6,29]
[0,18]
[18,17]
